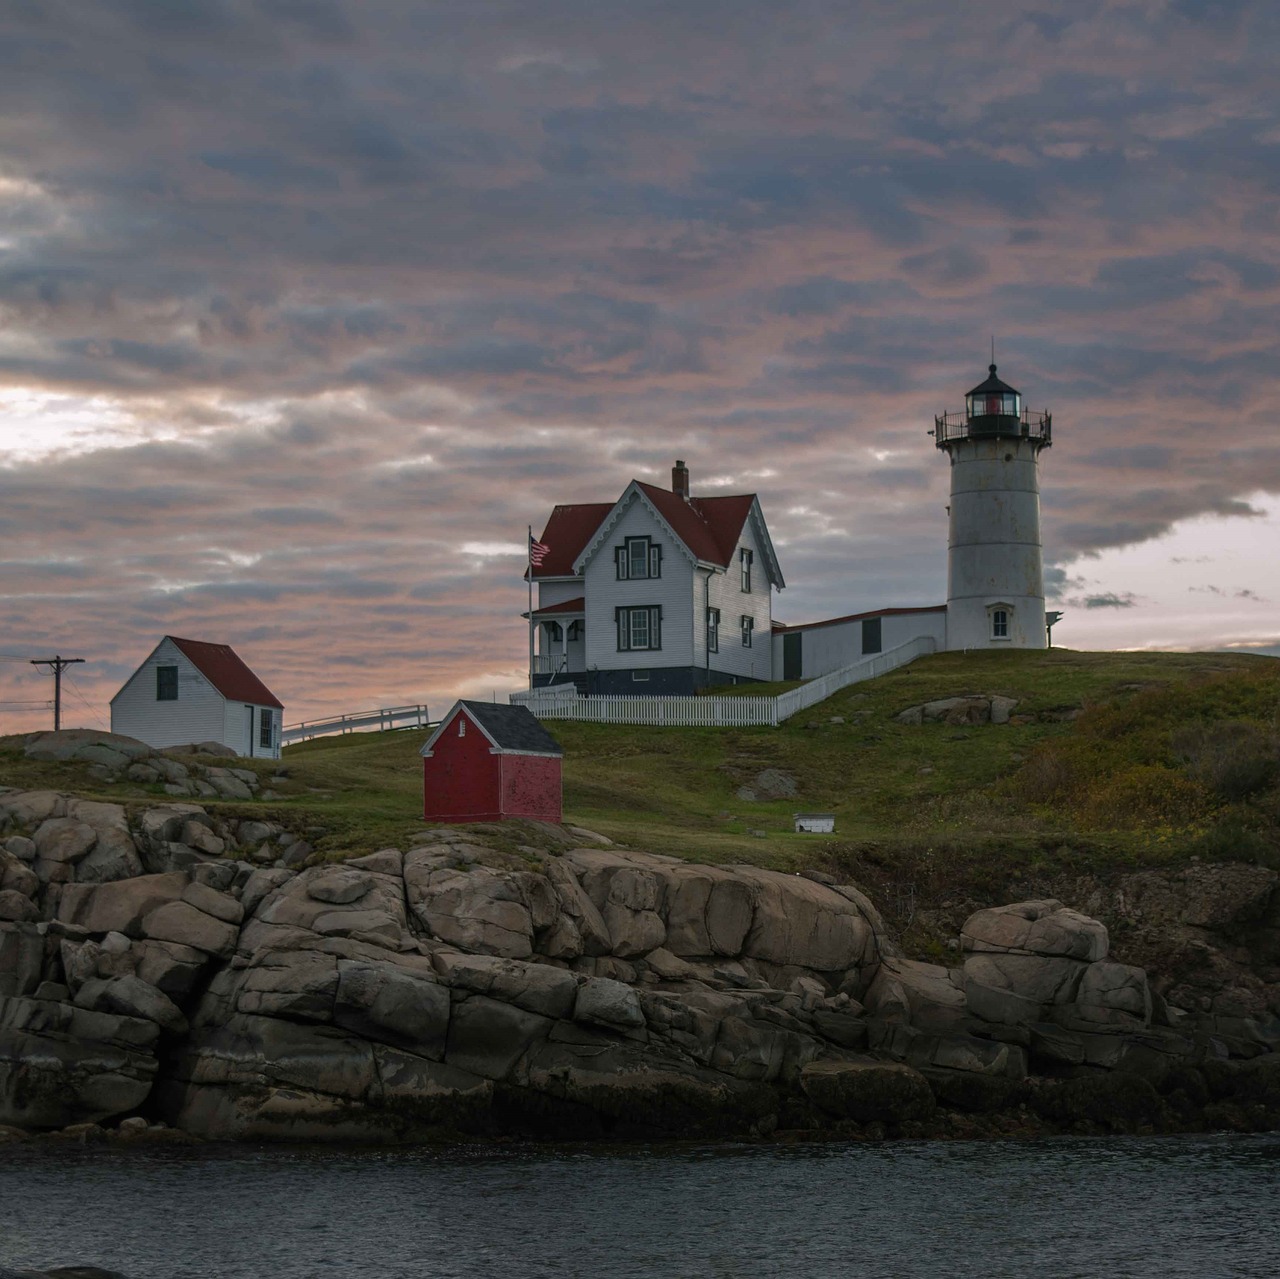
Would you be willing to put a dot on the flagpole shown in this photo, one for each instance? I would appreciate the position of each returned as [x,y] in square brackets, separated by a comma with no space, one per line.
[529,573]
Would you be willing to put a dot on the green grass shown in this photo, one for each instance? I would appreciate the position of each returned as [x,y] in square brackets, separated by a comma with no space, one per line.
[674,790]
[1110,786]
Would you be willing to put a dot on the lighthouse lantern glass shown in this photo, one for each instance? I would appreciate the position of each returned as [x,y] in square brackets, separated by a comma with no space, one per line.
[993,404]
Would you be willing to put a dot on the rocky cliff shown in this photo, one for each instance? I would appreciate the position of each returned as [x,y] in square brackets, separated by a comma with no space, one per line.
[170,965]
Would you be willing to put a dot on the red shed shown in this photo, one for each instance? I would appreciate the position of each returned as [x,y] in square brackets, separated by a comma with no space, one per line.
[487,762]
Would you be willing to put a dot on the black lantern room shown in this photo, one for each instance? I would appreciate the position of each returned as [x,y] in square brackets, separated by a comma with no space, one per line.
[992,408]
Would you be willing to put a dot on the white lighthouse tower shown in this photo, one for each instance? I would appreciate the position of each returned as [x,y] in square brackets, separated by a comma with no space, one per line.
[995,571]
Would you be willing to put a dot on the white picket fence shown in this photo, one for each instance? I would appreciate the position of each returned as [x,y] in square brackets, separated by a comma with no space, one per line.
[563,702]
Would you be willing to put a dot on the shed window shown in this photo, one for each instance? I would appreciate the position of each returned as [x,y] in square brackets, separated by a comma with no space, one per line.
[266,723]
[166,683]
[638,558]
[462,727]
[639,628]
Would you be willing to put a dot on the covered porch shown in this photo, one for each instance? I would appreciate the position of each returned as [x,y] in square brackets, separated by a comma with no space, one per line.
[561,656]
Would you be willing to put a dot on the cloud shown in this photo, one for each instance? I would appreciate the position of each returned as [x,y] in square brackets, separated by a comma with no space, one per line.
[299,299]
[1108,600]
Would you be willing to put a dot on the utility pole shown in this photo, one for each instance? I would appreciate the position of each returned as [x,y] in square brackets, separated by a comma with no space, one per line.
[57,664]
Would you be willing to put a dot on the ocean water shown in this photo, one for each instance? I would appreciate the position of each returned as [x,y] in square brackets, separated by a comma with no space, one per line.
[1167,1207]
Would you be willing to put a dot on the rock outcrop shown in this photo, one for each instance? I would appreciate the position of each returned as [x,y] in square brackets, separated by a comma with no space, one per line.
[154,966]
[112,757]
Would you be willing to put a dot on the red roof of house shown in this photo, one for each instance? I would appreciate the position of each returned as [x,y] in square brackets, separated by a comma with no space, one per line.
[565,606]
[568,530]
[222,667]
[708,526]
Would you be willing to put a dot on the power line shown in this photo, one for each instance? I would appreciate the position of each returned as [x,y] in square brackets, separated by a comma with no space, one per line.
[93,710]
[57,664]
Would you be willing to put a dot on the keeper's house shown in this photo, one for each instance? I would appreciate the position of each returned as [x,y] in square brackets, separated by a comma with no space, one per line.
[192,691]
[487,763]
[658,592]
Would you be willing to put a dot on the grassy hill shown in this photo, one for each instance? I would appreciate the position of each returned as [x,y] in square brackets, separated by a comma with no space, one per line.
[1103,751]
[1111,761]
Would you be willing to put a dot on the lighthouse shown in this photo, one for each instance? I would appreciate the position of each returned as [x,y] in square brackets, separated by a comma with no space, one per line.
[995,570]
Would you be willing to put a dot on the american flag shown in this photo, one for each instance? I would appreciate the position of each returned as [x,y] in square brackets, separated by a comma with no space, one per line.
[537,552]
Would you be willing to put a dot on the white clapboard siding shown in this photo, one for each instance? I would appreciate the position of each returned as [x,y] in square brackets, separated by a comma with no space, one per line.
[197,715]
[672,592]
[725,590]
[564,702]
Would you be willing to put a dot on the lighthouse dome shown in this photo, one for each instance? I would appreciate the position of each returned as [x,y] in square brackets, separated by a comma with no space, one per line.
[993,407]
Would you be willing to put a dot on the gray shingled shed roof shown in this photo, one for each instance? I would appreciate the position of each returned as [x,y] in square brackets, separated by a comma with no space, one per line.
[509,728]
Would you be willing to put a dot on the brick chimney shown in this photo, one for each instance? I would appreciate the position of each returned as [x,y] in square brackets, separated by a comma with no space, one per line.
[680,480]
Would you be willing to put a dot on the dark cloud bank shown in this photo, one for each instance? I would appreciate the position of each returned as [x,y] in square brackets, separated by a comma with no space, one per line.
[353,287]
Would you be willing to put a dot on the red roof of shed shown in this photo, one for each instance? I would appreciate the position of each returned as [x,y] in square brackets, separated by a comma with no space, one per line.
[222,667]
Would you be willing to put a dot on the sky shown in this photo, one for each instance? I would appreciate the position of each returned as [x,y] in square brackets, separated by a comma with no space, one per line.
[309,307]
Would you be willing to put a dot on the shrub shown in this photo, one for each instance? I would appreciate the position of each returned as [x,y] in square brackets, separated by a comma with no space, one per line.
[1142,795]
[1233,761]
[1233,839]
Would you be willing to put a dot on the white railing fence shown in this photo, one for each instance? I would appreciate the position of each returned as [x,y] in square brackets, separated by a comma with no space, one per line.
[563,702]
[380,720]
[818,690]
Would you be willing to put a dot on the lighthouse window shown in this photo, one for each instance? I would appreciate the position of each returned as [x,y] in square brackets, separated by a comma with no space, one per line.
[994,404]
[999,624]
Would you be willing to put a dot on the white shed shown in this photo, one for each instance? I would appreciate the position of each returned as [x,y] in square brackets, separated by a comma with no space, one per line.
[815,823]
[193,691]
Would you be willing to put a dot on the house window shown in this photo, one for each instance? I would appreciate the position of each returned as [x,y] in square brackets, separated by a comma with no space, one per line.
[166,683]
[999,623]
[638,558]
[265,725]
[871,635]
[744,563]
[639,628]
[748,625]
[553,630]
[713,630]
[575,631]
